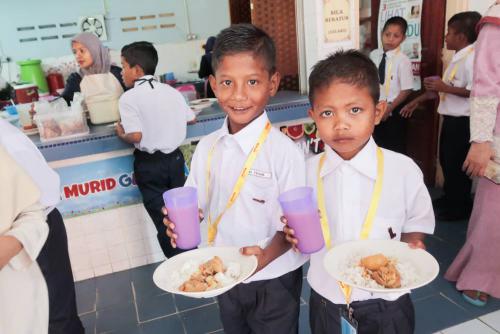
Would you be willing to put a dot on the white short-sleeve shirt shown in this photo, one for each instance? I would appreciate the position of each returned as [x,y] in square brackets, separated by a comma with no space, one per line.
[255,216]
[405,206]
[26,154]
[401,75]
[160,113]
[462,64]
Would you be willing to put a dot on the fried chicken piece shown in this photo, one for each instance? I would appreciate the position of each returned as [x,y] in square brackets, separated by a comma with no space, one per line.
[203,279]
[212,266]
[387,276]
[193,285]
[374,262]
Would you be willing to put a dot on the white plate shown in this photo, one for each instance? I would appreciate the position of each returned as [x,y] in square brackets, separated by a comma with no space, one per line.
[162,275]
[424,264]
[199,105]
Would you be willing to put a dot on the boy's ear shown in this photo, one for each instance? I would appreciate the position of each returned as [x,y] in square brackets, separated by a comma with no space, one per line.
[213,83]
[310,112]
[275,83]
[380,109]
[138,71]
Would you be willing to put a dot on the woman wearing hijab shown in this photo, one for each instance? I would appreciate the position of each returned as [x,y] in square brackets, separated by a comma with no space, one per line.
[24,306]
[93,58]
[206,66]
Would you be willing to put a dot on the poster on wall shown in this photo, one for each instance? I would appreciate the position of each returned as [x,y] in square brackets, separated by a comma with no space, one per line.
[411,11]
[338,25]
[97,186]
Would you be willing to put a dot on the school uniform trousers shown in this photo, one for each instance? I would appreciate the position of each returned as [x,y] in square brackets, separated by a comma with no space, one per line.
[453,148]
[376,316]
[55,265]
[263,307]
[154,174]
[391,134]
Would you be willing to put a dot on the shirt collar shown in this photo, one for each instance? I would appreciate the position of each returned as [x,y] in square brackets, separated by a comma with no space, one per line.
[364,162]
[247,136]
[462,53]
[139,80]
[393,52]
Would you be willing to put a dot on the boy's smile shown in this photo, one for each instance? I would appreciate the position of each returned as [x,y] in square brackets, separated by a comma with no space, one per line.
[345,116]
[243,86]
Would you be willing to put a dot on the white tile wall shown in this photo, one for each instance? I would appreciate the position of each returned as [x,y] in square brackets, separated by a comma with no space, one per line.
[492,320]
[111,241]
[472,326]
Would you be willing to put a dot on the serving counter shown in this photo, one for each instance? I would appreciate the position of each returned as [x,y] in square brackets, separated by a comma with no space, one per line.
[108,228]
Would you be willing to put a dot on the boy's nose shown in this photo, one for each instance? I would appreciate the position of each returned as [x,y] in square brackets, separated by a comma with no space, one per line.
[239,93]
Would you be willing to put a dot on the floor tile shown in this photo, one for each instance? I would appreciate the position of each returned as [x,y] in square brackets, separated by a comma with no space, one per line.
[171,325]
[113,289]
[184,303]
[202,320]
[88,321]
[155,307]
[116,318]
[492,319]
[473,326]
[435,313]
[145,289]
[86,293]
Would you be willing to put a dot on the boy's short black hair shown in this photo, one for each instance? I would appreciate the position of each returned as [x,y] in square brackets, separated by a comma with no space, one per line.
[351,67]
[244,37]
[142,54]
[465,23]
[397,20]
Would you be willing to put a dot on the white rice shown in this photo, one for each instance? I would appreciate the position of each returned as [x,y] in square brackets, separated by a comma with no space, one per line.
[354,273]
[178,277]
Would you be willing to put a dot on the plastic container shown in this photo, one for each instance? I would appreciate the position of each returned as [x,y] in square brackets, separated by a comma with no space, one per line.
[182,207]
[301,211]
[25,118]
[55,82]
[31,71]
[188,91]
[26,93]
[60,125]
[103,108]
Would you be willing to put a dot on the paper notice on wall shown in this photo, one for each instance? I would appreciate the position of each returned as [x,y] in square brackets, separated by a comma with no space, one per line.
[411,11]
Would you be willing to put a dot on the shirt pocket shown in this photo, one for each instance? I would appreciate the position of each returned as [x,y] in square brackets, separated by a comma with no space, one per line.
[260,196]
[387,228]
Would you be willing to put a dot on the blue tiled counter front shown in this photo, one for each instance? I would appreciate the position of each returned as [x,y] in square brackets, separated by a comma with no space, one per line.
[285,107]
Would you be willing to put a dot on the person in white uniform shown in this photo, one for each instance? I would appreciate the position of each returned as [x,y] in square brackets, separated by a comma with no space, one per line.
[244,62]
[352,175]
[54,257]
[24,306]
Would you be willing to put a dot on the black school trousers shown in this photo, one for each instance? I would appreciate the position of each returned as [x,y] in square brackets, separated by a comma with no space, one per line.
[154,174]
[454,145]
[391,134]
[56,269]
[375,316]
[263,307]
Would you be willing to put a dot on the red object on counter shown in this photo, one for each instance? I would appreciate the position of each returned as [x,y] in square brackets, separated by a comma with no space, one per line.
[55,82]
[26,93]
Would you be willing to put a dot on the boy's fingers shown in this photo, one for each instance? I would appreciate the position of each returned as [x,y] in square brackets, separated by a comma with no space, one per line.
[164,210]
[200,212]
[283,220]
[251,250]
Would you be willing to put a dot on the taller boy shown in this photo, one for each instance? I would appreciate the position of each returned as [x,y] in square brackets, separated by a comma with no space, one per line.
[153,118]
[242,209]
[396,82]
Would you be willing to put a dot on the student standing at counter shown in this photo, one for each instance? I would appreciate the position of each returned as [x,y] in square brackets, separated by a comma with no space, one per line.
[205,70]
[53,258]
[93,58]
[153,118]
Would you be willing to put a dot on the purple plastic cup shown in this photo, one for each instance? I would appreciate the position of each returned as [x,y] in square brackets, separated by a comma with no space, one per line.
[301,211]
[182,206]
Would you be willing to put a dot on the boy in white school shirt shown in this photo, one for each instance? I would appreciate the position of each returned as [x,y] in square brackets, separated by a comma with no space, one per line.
[454,143]
[344,95]
[396,83]
[153,118]
[245,78]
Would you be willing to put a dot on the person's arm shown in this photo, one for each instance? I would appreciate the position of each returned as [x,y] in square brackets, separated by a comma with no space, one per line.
[414,239]
[410,107]
[402,96]
[438,85]
[131,138]
[130,127]
[72,86]
[277,247]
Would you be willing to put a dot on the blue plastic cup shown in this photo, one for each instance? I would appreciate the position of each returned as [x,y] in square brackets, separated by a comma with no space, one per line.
[11,110]
[301,211]
[182,206]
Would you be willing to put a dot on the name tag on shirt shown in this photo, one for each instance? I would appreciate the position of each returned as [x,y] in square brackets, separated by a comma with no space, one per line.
[261,174]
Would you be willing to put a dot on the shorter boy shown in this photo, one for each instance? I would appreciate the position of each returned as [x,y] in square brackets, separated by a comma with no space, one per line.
[153,118]
[344,95]
[454,106]
[396,83]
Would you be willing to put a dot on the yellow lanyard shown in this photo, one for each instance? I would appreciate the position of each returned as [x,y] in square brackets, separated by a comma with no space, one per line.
[388,76]
[370,215]
[212,227]
[453,71]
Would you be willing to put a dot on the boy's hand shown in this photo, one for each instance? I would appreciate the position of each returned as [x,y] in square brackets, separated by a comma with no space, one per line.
[289,234]
[436,85]
[120,131]
[260,253]
[408,109]
[477,158]
[414,239]
[415,244]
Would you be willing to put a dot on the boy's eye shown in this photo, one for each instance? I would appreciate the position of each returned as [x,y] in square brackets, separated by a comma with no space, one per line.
[226,82]
[356,110]
[326,113]
[252,82]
